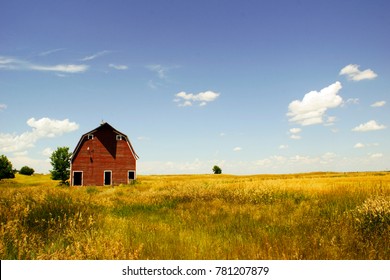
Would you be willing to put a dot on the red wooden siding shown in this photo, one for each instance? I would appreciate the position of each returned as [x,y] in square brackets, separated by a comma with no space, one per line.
[103,153]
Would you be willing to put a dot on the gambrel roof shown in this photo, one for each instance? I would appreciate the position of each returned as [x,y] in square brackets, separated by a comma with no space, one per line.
[104,125]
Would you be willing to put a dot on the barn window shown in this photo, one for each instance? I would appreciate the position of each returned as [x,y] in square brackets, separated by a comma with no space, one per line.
[119,137]
[90,136]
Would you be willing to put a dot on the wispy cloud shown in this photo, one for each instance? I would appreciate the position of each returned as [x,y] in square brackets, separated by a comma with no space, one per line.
[353,73]
[237,149]
[369,126]
[3,107]
[311,109]
[42,128]
[161,73]
[118,66]
[186,99]
[352,101]
[160,70]
[9,63]
[45,53]
[95,55]
[379,104]
[65,68]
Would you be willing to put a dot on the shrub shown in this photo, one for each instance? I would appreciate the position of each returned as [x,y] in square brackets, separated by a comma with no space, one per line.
[25,170]
[217,170]
[373,216]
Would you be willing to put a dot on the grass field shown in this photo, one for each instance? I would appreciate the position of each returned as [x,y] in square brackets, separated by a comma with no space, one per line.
[298,216]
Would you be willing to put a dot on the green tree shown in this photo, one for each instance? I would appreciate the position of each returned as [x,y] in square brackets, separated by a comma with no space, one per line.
[6,168]
[217,170]
[60,160]
[25,170]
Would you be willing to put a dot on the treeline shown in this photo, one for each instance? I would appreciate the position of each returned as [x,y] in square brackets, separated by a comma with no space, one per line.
[59,159]
[8,172]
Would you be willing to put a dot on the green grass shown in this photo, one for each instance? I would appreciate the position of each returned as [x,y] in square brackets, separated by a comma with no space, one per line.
[295,216]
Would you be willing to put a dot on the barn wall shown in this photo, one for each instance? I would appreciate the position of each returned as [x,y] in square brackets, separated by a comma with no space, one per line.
[103,153]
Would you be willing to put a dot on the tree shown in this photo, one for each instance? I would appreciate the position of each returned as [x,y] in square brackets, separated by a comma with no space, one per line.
[25,170]
[217,170]
[60,160]
[6,168]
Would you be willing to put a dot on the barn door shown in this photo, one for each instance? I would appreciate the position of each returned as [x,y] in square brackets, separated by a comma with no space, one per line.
[77,178]
[130,176]
[107,177]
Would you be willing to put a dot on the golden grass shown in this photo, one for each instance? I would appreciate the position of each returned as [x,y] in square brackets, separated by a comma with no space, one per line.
[296,216]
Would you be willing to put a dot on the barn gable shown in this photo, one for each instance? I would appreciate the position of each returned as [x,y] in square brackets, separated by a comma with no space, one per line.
[103,156]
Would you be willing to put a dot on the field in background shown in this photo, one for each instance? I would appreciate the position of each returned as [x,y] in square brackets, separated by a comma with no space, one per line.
[298,216]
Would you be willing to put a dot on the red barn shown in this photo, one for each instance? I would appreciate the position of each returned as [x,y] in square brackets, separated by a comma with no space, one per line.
[103,156]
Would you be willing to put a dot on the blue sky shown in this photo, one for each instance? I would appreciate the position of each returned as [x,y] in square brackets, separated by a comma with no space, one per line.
[251,86]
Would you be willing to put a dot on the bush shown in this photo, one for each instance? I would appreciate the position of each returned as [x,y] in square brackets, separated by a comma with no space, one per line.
[373,216]
[25,170]
[217,170]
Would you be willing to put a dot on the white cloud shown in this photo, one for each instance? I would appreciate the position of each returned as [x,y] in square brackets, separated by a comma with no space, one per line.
[118,67]
[295,130]
[363,145]
[378,104]
[237,149]
[8,63]
[91,57]
[3,107]
[354,74]
[369,126]
[46,127]
[65,68]
[314,104]
[359,145]
[377,155]
[185,104]
[42,128]
[202,98]
[295,133]
[283,147]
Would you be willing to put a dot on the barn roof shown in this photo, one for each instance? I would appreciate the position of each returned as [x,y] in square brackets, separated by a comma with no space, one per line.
[102,126]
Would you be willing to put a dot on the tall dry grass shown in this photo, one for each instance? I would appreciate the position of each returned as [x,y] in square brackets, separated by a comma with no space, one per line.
[299,216]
